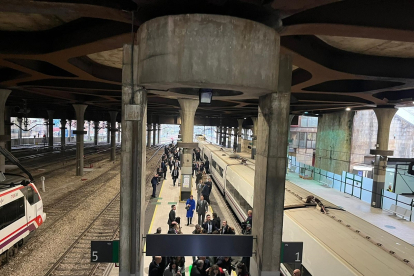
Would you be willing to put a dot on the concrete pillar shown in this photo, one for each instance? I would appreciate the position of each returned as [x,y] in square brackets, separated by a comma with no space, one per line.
[254,137]
[70,130]
[20,133]
[154,133]
[119,132]
[384,117]
[269,184]
[239,134]
[62,134]
[148,135]
[50,128]
[96,133]
[133,168]
[113,115]
[89,131]
[4,94]
[229,137]
[80,112]
[108,132]
[159,133]
[7,126]
[188,110]
[217,134]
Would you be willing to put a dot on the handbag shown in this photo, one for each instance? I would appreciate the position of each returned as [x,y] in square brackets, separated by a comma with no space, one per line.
[187,207]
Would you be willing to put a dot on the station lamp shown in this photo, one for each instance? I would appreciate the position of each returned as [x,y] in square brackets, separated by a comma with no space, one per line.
[348,109]
[205,95]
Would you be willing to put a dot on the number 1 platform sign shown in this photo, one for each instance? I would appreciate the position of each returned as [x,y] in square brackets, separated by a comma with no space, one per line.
[291,252]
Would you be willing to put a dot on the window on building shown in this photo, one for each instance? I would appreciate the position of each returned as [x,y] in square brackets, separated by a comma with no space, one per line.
[302,140]
[306,121]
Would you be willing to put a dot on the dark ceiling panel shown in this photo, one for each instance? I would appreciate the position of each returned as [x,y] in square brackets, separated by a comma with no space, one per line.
[349,86]
[407,94]
[7,74]
[42,67]
[79,84]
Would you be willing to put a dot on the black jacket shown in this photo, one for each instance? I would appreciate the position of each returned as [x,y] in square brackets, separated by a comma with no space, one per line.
[155,269]
[171,217]
[225,265]
[175,173]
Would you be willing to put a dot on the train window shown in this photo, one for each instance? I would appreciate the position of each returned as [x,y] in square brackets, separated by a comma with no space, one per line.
[11,212]
[237,197]
[220,170]
[214,163]
[32,196]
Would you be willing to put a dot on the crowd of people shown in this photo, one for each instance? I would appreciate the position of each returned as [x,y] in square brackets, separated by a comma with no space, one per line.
[206,223]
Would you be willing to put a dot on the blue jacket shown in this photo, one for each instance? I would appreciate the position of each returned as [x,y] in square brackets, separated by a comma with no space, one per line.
[154,181]
[190,211]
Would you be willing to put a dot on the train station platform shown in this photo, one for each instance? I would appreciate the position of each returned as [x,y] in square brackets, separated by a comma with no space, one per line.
[168,195]
[400,228]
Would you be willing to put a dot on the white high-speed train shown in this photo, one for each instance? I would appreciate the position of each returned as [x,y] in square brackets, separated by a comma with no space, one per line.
[335,244]
[21,211]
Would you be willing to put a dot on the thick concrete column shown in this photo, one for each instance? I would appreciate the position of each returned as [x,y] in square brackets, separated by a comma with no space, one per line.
[239,134]
[229,137]
[7,126]
[154,133]
[80,112]
[159,133]
[119,132]
[148,135]
[113,115]
[96,133]
[269,187]
[50,128]
[254,137]
[62,134]
[133,168]
[384,117]
[70,130]
[4,94]
[108,132]
[188,110]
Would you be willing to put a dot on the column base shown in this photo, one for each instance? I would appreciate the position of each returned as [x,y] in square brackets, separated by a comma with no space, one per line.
[255,271]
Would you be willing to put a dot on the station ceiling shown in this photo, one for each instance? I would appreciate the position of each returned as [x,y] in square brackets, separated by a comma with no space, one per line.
[357,54]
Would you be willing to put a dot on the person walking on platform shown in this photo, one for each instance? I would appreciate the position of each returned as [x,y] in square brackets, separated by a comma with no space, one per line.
[206,191]
[164,169]
[207,166]
[190,207]
[171,163]
[216,221]
[202,208]
[226,230]
[195,167]
[208,225]
[199,188]
[198,157]
[154,182]
[155,269]
[171,216]
[175,174]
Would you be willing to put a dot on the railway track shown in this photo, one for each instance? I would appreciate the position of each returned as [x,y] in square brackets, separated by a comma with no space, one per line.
[75,260]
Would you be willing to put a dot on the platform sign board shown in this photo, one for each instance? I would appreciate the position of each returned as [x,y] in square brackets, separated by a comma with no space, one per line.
[185,190]
[177,245]
[105,251]
[291,252]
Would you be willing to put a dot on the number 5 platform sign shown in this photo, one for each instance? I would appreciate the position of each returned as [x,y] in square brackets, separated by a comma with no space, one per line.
[105,251]
[291,252]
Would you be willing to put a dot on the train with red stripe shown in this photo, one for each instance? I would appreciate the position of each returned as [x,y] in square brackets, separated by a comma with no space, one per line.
[21,212]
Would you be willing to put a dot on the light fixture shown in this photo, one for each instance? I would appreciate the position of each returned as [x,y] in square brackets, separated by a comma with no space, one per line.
[305,112]
[348,109]
[245,118]
[205,95]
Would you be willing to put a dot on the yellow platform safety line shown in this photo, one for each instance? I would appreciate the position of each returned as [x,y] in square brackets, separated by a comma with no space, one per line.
[153,216]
